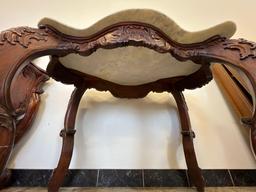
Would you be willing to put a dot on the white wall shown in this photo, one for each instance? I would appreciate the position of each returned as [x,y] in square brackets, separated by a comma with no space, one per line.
[144,133]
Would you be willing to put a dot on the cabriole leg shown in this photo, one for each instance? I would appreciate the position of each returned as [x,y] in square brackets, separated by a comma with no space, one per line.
[67,133]
[194,172]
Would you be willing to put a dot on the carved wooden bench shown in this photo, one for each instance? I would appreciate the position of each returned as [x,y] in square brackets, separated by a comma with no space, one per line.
[129,53]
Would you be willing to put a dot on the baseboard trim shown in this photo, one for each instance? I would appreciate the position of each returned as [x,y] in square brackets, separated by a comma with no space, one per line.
[133,178]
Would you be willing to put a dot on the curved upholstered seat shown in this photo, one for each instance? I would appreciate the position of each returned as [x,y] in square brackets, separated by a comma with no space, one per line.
[155,18]
[136,65]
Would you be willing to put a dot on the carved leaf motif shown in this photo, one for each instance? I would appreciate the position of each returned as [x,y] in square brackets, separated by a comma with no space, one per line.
[128,33]
[136,35]
[246,48]
[69,46]
[22,36]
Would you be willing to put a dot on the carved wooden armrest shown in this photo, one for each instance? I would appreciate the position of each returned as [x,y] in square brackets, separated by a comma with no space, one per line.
[84,58]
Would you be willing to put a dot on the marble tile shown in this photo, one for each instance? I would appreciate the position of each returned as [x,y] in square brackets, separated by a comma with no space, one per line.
[81,178]
[217,178]
[31,178]
[120,178]
[165,178]
[244,177]
[116,189]
[132,178]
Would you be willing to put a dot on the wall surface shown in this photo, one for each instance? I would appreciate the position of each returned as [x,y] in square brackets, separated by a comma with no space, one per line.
[144,133]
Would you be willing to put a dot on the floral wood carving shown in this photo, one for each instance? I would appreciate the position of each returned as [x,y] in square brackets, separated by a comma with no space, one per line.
[68,47]
[137,35]
[246,48]
[22,36]
[128,33]
[37,76]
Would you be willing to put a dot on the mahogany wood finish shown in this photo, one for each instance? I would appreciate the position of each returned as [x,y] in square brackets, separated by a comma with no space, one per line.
[67,133]
[27,88]
[20,81]
[241,104]
[194,172]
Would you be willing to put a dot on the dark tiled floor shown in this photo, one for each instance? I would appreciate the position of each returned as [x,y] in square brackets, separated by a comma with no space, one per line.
[214,178]
[165,178]
[120,178]
[134,178]
[244,177]
[81,178]
[31,178]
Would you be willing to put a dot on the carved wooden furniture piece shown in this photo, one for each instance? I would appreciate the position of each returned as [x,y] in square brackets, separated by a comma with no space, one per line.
[129,53]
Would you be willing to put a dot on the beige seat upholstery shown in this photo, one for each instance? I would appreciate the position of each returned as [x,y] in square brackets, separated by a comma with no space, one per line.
[136,65]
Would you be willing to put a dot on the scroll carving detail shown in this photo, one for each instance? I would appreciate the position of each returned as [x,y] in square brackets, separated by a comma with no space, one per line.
[246,48]
[22,35]
[127,33]
[136,35]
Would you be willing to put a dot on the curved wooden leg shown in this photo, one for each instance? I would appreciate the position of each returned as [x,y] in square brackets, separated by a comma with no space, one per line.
[18,81]
[7,136]
[194,172]
[67,133]
[5,178]
[239,54]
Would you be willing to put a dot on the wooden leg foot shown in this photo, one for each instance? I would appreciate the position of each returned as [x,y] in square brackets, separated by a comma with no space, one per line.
[200,189]
[196,179]
[5,178]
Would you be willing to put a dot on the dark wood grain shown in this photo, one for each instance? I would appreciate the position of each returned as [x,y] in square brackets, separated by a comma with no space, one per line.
[20,81]
[67,133]
[194,172]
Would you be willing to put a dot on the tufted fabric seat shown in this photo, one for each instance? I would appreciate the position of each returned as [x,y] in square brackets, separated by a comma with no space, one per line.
[136,65]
